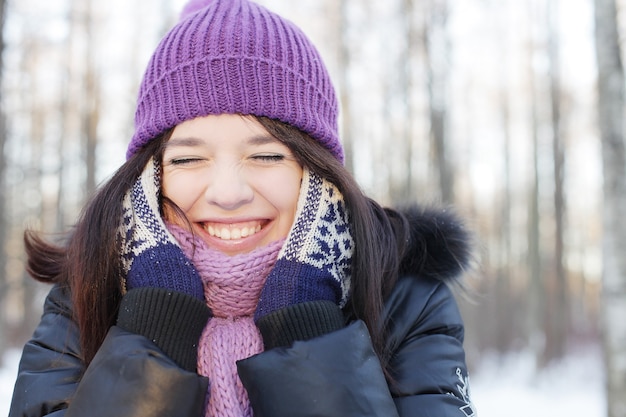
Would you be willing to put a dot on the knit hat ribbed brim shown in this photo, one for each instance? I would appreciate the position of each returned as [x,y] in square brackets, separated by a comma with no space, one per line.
[236,57]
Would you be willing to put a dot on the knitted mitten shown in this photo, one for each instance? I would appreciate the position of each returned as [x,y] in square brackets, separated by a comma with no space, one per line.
[165,299]
[310,282]
[150,254]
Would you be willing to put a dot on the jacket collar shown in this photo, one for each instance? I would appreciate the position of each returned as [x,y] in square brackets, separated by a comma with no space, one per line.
[439,244]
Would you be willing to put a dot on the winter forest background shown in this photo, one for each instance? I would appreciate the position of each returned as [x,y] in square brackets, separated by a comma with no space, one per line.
[510,110]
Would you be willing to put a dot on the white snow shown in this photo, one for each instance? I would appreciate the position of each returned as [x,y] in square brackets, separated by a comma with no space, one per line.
[8,373]
[502,386]
[508,386]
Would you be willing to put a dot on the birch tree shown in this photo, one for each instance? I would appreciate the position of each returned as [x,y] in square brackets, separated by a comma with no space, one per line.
[536,290]
[558,320]
[406,75]
[344,58]
[436,46]
[90,115]
[610,120]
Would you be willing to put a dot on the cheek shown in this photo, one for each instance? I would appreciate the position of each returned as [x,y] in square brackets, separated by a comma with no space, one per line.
[181,190]
[289,193]
[282,191]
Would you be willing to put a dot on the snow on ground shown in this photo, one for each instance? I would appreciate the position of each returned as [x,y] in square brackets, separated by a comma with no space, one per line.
[7,378]
[502,386]
[507,386]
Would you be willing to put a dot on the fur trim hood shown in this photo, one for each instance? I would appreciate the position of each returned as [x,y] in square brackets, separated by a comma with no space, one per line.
[439,245]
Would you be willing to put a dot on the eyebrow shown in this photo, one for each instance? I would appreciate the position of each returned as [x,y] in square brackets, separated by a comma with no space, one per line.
[262,139]
[191,141]
[183,141]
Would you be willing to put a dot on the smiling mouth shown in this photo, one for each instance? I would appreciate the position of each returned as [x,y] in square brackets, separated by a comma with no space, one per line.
[232,231]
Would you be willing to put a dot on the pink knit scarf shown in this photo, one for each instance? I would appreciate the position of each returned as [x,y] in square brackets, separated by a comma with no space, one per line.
[232,285]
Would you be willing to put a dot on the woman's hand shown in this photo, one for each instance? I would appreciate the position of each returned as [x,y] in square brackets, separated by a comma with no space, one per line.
[165,297]
[151,256]
[315,262]
[310,281]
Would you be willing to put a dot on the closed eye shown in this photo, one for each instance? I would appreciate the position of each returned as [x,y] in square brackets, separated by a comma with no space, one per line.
[268,157]
[183,161]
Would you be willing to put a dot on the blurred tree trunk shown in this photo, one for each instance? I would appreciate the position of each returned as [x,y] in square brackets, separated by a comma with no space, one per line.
[33,178]
[3,190]
[436,47]
[536,294]
[343,60]
[504,295]
[406,90]
[91,110]
[558,319]
[611,119]
[398,112]
[66,110]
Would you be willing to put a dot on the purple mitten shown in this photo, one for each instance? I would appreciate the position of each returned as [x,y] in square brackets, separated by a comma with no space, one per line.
[150,255]
[315,261]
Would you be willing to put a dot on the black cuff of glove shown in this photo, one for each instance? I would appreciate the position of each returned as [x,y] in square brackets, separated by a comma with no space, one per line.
[300,322]
[172,320]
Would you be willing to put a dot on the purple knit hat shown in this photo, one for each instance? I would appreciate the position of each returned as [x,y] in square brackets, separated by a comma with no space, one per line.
[235,56]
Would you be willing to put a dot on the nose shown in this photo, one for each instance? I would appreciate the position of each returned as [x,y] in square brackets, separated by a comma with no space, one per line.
[228,187]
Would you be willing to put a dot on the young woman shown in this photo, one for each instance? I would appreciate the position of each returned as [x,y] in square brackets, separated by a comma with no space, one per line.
[232,266]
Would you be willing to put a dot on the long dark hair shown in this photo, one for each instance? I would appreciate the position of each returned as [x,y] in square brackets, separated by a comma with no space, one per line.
[89,261]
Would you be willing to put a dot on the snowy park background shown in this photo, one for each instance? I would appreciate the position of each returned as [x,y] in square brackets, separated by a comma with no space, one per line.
[493,60]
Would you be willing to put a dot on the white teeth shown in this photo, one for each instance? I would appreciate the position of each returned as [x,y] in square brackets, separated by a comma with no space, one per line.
[226,233]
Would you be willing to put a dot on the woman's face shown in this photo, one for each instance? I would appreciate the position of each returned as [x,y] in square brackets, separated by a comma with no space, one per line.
[237,184]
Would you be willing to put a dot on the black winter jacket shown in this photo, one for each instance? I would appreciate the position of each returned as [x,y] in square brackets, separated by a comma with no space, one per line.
[336,374]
